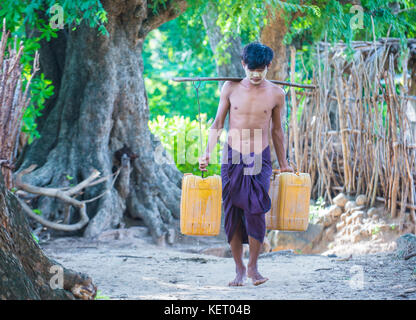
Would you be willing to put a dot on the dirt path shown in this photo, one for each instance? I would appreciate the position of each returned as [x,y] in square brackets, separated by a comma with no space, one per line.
[137,269]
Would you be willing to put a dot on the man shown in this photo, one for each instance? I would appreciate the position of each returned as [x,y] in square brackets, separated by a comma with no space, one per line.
[252,103]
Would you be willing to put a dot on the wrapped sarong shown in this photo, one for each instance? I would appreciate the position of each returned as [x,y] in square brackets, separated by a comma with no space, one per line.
[245,192]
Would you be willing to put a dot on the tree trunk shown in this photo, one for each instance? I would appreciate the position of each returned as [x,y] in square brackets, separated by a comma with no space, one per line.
[234,67]
[25,271]
[101,106]
[272,35]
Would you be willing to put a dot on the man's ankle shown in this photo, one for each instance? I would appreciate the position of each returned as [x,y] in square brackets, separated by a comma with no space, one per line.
[240,266]
[252,266]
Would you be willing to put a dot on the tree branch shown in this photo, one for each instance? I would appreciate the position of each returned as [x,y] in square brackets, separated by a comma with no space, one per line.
[64,195]
[172,10]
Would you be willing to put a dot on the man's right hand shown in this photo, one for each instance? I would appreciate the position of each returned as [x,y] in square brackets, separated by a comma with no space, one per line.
[203,162]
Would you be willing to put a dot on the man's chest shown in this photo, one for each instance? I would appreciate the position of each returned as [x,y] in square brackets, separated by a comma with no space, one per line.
[242,101]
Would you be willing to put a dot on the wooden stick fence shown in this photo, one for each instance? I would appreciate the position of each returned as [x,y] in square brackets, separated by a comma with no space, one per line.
[354,134]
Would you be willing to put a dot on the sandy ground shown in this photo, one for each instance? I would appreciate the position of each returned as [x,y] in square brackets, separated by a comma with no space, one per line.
[134,268]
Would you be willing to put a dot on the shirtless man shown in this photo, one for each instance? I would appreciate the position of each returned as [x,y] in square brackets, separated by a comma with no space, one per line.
[253,103]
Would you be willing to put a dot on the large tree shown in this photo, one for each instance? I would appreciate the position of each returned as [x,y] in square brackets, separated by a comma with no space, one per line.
[100,105]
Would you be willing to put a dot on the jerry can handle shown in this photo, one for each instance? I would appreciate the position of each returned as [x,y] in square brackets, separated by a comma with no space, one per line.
[296,167]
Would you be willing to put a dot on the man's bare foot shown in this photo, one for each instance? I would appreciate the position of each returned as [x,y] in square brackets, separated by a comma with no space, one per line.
[239,278]
[256,277]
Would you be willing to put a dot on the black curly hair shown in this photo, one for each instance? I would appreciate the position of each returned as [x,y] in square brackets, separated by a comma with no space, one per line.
[256,55]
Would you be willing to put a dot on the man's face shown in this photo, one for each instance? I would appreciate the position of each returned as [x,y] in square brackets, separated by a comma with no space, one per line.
[255,76]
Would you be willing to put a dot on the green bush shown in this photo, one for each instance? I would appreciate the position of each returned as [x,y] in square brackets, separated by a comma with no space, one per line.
[181,138]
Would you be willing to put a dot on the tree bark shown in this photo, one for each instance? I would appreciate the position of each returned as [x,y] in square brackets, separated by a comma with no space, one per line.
[25,271]
[100,107]
[272,35]
[234,67]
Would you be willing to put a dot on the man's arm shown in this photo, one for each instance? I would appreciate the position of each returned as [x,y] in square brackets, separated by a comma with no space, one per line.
[216,128]
[277,130]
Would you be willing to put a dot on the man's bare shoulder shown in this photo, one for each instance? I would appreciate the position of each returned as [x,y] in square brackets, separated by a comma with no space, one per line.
[277,89]
[228,87]
[230,84]
[279,95]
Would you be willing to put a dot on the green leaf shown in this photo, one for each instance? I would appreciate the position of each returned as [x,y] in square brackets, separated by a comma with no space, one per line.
[35,237]
[100,296]
[375,230]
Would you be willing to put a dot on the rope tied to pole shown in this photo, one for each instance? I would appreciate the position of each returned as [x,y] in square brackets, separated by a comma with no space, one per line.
[199,117]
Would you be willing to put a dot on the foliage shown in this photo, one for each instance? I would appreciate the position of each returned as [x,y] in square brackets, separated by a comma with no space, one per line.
[181,138]
[40,90]
[179,48]
[250,17]
[337,21]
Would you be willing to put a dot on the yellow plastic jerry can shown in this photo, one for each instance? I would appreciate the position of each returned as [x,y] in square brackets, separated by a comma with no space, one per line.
[290,194]
[201,205]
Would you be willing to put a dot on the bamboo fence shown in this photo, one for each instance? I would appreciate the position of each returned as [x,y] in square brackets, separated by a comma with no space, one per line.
[354,135]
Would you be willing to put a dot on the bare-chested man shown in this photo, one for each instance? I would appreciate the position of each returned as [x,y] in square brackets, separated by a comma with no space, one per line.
[252,103]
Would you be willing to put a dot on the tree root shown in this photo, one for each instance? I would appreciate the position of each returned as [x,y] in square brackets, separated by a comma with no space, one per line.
[65,194]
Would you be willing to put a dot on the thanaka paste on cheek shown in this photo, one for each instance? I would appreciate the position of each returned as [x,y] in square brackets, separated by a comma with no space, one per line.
[255,74]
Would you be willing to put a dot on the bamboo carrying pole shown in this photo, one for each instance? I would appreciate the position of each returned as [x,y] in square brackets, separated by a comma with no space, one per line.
[284,83]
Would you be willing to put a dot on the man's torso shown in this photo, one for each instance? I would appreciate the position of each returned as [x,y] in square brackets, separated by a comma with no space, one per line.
[250,115]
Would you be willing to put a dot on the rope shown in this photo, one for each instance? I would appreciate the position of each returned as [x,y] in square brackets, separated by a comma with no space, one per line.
[199,118]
